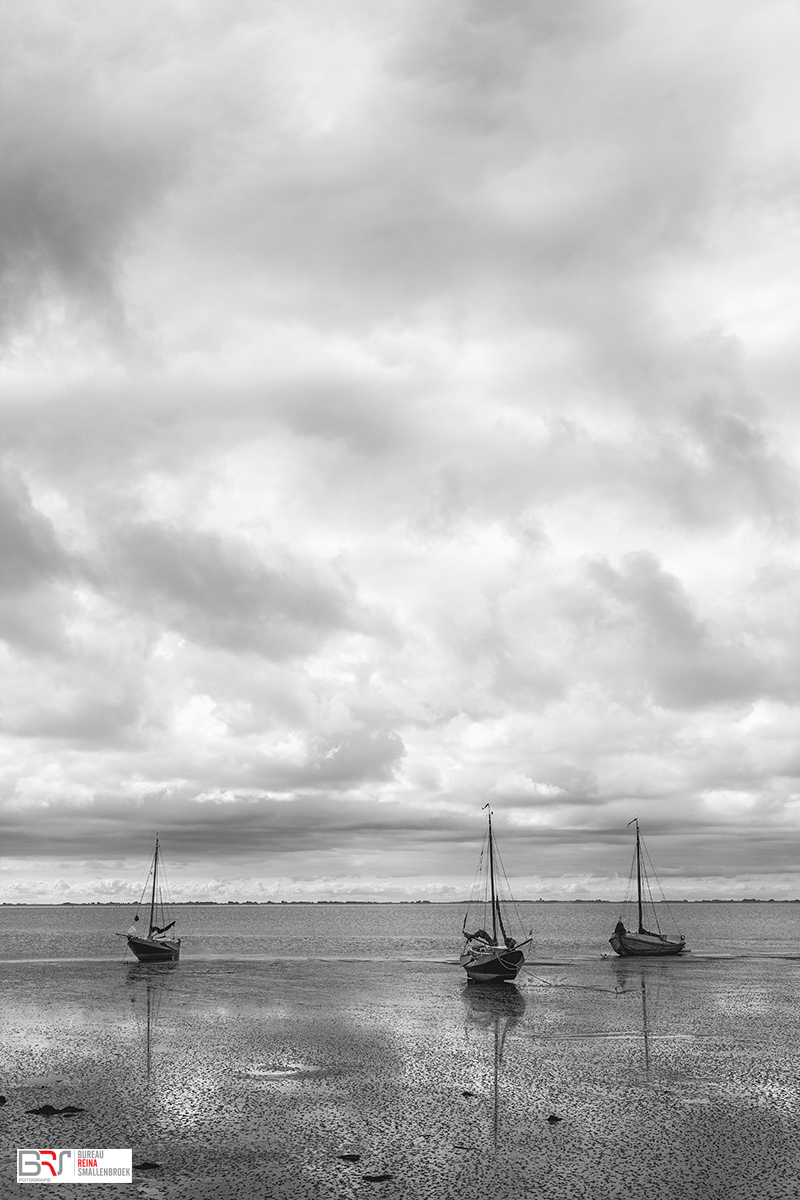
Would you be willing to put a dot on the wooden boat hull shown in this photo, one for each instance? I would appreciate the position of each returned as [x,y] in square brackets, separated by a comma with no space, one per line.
[147,950]
[493,966]
[644,945]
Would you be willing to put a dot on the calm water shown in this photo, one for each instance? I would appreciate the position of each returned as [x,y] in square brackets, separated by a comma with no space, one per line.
[562,932]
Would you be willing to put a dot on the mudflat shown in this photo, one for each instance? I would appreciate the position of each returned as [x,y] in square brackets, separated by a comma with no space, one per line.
[649,1080]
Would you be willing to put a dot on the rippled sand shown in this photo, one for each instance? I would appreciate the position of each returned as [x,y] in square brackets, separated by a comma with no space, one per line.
[257,1079]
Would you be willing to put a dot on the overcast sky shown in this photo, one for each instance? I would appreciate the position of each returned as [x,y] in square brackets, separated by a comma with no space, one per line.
[400,414]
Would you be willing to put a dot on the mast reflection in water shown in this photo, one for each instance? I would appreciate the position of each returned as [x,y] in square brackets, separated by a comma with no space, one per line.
[633,980]
[493,1010]
[150,987]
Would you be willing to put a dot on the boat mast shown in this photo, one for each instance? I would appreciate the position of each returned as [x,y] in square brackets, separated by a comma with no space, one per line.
[639,876]
[491,879]
[153,894]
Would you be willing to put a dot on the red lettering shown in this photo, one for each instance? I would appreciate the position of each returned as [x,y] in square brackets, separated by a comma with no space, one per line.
[49,1166]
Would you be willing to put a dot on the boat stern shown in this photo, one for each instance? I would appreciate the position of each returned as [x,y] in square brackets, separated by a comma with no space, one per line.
[493,967]
[148,951]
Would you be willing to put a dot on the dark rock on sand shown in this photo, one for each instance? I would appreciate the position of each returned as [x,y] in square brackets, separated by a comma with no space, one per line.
[553,1119]
[349,1157]
[47,1110]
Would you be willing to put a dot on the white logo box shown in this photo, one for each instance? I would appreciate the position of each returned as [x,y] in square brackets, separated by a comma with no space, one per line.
[74,1166]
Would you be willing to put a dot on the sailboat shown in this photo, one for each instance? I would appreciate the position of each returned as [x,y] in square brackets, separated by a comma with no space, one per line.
[488,957]
[149,942]
[644,941]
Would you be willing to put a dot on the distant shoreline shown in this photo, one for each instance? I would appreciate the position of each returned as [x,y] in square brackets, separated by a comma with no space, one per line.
[343,903]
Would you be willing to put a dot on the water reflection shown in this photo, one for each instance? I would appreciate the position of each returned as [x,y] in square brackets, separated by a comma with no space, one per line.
[149,988]
[634,978]
[492,1012]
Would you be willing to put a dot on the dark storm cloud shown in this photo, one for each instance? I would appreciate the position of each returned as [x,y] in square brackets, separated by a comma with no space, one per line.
[302,838]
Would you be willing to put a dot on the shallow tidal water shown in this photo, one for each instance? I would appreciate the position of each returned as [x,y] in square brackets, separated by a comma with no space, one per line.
[562,932]
[673,1080]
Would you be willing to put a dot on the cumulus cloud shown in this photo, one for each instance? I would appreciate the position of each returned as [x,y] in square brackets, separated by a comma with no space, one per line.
[684,662]
[218,591]
[399,415]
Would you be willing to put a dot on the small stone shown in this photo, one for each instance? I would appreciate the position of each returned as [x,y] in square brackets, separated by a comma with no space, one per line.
[349,1157]
[553,1119]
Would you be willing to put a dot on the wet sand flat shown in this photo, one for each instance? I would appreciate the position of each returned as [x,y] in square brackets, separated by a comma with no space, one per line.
[671,1080]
